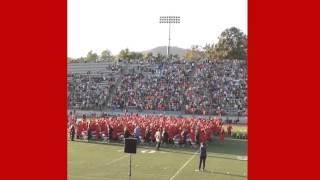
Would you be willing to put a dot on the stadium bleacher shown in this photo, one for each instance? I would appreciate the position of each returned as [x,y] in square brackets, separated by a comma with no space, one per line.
[204,87]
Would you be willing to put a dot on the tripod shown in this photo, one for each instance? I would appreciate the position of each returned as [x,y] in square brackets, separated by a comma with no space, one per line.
[130,168]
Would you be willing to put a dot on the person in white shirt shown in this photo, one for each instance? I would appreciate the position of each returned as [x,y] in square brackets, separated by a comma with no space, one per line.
[158,139]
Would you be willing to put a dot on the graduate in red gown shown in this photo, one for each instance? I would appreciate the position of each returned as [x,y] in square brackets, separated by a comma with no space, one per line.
[173,125]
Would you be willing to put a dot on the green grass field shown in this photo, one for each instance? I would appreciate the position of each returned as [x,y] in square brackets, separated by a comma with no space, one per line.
[95,161]
[237,128]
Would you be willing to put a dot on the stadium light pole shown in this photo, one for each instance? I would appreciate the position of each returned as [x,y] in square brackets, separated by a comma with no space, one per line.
[169,20]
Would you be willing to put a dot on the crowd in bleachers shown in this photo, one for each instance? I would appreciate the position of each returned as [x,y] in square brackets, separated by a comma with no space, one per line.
[204,87]
[161,90]
[87,91]
[218,86]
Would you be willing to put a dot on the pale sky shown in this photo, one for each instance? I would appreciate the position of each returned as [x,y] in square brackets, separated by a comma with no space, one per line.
[118,24]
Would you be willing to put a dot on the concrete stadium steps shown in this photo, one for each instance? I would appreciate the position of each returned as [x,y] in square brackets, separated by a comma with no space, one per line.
[85,67]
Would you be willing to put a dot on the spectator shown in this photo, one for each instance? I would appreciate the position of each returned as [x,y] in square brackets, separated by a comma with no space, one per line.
[204,87]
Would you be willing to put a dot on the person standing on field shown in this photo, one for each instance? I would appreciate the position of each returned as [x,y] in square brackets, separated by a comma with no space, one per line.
[147,135]
[229,130]
[203,156]
[158,139]
[165,137]
[222,136]
[72,132]
[137,133]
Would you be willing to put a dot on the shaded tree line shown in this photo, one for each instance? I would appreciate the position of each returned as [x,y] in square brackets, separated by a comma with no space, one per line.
[232,44]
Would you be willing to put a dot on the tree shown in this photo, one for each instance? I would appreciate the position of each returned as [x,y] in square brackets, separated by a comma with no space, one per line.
[175,56]
[124,54]
[159,58]
[106,55]
[139,55]
[232,44]
[81,59]
[92,57]
[209,51]
[195,53]
[148,56]
[135,55]
[70,60]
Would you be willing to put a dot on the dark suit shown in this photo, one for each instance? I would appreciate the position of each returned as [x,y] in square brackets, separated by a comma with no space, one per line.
[203,156]
[72,132]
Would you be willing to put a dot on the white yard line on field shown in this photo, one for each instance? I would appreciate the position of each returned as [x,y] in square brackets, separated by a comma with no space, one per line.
[115,160]
[231,139]
[184,165]
[91,177]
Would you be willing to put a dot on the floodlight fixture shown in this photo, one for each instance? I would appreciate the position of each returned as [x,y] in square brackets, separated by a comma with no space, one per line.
[169,20]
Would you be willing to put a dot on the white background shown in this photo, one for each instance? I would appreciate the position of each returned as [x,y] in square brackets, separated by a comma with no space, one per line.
[117,24]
